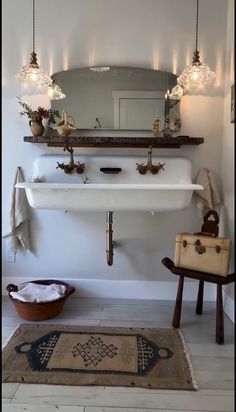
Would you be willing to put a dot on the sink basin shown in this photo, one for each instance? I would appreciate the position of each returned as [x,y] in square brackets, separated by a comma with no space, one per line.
[170,189]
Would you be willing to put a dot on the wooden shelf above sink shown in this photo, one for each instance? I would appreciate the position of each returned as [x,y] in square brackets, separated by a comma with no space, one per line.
[115,142]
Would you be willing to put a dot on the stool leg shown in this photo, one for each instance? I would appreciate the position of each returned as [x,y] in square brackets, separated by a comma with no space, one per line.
[219,316]
[200,297]
[178,303]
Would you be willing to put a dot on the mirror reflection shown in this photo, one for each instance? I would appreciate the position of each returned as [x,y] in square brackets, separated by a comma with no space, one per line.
[118,98]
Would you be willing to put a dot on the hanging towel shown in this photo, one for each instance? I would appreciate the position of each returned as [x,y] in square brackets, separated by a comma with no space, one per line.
[18,232]
[209,197]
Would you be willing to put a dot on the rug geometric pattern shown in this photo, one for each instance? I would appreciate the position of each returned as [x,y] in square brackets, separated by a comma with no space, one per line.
[70,355]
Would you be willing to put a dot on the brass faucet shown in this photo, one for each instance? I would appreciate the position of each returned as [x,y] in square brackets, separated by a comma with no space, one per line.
[154,169]
[68,168]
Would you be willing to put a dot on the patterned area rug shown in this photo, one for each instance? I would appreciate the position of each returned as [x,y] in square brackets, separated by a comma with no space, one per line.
[71,355]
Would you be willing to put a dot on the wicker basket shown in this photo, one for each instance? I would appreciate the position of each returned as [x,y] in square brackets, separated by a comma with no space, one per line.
[40,310]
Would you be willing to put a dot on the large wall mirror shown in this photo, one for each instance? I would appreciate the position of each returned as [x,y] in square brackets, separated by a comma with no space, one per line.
[117,97]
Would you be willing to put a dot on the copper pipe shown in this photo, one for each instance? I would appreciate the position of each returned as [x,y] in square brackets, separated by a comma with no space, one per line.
[109,241]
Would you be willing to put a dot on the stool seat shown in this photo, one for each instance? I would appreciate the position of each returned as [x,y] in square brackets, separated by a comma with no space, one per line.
[201,276]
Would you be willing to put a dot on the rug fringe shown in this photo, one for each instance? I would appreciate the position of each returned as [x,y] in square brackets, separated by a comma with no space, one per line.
[195,385]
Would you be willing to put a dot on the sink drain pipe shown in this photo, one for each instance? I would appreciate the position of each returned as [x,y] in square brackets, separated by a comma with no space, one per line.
[109,240]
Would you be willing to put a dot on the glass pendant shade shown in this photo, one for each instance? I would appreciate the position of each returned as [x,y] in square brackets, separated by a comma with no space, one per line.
[55,92]
[176,93]
[32,74]
[197,73]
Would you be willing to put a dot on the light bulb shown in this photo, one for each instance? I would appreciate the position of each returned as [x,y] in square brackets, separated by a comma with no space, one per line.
[33,76]
[195,75]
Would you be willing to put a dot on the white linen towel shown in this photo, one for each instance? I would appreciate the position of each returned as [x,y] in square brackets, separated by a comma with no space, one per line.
[209,197]
[32,292]
[19,217]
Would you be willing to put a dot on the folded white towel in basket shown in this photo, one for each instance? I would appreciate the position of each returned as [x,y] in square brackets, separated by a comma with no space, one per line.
[33,292]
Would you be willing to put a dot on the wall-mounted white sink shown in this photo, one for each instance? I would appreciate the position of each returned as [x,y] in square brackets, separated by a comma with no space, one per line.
[170,189]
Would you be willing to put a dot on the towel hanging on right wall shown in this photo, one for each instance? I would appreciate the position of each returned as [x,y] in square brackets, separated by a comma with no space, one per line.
[208,198]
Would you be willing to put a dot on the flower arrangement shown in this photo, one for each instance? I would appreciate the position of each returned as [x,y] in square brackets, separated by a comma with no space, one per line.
[39,114]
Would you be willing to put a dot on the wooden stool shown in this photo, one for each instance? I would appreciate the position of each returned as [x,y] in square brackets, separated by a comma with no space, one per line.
[219,280]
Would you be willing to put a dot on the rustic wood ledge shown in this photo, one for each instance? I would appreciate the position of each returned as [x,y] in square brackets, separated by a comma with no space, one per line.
[104,141]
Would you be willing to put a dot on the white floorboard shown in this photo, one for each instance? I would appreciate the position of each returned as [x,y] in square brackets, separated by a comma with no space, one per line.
[41,408]
[102,409]
[210,399]
[9,389]
[213,364]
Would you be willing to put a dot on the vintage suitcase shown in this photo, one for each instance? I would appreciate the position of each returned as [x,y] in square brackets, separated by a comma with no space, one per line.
[203,253]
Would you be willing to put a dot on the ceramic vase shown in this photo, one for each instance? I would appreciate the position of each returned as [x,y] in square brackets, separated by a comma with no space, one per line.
[37,128]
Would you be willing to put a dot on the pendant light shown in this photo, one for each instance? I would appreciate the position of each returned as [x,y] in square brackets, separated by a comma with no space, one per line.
[32,74]
[55,92]
[196,73]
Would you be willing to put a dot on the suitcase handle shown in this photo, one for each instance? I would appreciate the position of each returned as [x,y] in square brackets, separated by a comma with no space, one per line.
[212,213]
[210,226]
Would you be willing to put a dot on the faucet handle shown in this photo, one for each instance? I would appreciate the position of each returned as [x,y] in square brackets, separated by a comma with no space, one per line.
[79,168]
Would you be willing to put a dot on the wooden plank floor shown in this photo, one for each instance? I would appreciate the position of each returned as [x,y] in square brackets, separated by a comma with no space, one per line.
[213,364]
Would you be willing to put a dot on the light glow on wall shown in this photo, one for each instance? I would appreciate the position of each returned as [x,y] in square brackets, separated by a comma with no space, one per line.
[65,60]
[175,62]
[50,59]
[91,59]
[155,60]
[219,69]
[232,65]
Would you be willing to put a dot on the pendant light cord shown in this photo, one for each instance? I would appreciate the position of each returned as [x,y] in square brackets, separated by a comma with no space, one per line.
[196,57]
[34,26]
[196,73]
[31,73]
[33,54]
[197,25]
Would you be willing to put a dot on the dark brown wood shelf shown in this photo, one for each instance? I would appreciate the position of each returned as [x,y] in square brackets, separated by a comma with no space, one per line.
[115,142]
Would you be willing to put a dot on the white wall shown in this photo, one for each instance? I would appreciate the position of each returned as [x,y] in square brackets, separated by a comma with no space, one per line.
[156,34]
[228,141]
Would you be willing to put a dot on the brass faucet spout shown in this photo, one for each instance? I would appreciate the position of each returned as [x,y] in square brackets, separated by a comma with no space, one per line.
[68,168]
[150,155]
[154,169]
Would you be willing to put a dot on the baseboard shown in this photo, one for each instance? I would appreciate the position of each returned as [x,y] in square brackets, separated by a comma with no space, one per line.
[228,306]
[128,289]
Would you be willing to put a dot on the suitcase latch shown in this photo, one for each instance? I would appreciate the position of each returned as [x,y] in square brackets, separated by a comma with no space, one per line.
[218,249]
[199,248]
[184,243]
